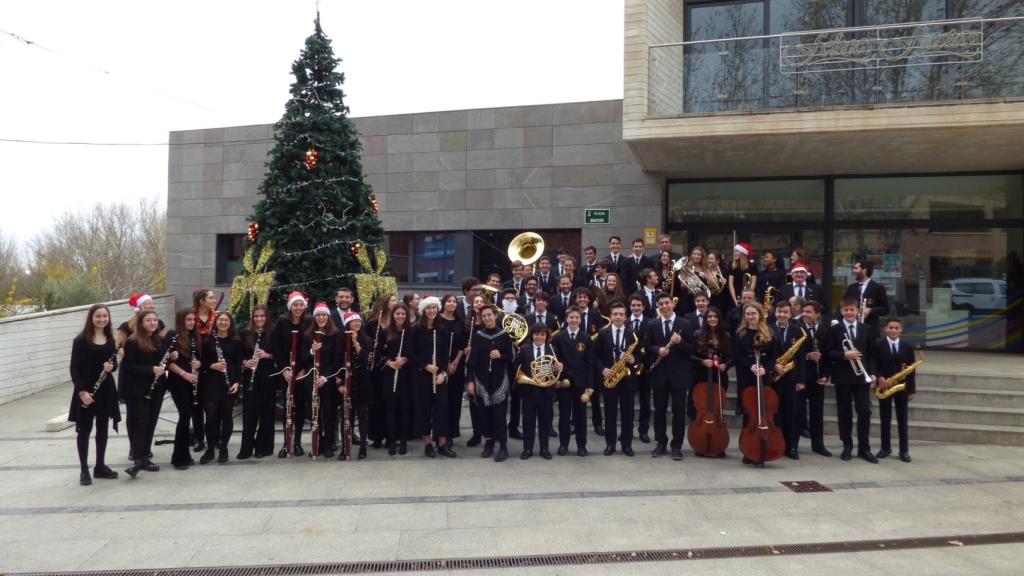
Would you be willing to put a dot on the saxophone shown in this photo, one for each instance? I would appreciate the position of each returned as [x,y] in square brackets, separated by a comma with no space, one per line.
[897,382]
[769,299]
[620,369]
[786,360]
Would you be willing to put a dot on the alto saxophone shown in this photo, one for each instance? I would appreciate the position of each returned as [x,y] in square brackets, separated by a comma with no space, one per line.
[897,382]
[786,360]
[620,369]
[769,299]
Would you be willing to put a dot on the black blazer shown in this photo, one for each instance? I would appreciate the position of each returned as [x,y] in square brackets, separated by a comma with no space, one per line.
[887,364]
[630,270]
[577,357]
[594,321]
[650,308]
[549,321]
[677,367]
[691,317]
[811,292]
[339,325]
[511,283]
[522,302]
[798,374]
[842,371]
[606,343]
[556,306]
[816,338]
[877,299]
[550,286]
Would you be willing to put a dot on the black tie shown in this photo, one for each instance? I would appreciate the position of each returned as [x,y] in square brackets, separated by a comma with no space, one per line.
[540,319]
[785,330]
[800,290]
[636,325]
[618,343]
[700,320]
[668,328]
[893,349]
[565,302]
[538,353]
[852,330]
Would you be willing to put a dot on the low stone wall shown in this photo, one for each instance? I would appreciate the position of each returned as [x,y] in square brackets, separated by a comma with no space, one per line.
[35,349]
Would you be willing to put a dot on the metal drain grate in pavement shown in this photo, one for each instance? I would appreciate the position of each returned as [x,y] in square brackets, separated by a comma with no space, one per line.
[766,550]
[803,486]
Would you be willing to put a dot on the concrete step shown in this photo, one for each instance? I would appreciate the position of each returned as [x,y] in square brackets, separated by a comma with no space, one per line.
[967,379]
[972,397]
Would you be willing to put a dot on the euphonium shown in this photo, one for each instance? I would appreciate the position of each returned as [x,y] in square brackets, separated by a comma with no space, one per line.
[720,281]
[689,279]
[897,383]
[620,369]
[544,373]
[786,360]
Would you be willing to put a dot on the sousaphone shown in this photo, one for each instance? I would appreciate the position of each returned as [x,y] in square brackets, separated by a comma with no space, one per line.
[527,248]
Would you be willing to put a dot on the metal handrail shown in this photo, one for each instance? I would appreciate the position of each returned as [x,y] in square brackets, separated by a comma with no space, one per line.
[847,29]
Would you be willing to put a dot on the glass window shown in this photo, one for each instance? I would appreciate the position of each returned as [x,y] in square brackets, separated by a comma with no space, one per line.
[726,21]
[899,11]
[998,74]
[771,200]
[230,248]
[398,255]
[953,288]
[725,76]
[434,259]
[930,198]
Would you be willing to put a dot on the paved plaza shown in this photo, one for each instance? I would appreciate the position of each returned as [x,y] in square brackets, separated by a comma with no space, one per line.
[277,512]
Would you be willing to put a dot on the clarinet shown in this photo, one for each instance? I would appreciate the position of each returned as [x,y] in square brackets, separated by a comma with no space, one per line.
[469,342]
[220,358]
[195,371]
[252,379]
[347,400]
[401,342]
[376,339]
[314,432]
[433,358]
[103,373]
[814,348]
[163,365]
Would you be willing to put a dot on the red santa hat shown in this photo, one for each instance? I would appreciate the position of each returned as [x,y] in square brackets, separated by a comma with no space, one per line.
[321,308]
[295,297]
[743,248]
[798,267]
[137,300]
[350,316]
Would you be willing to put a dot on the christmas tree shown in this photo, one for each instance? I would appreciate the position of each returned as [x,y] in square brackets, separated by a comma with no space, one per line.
[316,207]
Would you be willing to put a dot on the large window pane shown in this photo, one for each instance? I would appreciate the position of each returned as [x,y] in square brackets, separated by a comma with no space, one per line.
[900,11]
[930,198]
[434,258]
[774,200]
[953,288]
[724,76]
[999,74]
[813,89]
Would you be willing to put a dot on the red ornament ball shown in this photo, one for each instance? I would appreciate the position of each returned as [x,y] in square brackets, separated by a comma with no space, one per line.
[311,157]
[254,232]
[374,205]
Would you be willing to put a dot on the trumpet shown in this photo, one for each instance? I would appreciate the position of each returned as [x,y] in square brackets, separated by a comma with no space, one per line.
[855,363]
[864,303]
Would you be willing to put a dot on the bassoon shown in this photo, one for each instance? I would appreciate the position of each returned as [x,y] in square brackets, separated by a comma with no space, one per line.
[318,337]
[289,411]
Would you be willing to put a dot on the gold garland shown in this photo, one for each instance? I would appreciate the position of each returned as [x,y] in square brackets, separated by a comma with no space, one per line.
[254,282]
[373,283]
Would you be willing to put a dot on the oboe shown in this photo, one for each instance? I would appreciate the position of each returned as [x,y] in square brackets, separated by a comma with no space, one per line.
[163,366]
[103,374]
[220,358]
[318,337]
[401,342]
[193,369]
[376,338]
[256,358]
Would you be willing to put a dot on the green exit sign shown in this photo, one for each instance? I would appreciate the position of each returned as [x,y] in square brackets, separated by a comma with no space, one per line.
[597,216]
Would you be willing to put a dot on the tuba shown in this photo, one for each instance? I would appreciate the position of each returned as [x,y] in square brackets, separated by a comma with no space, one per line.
[527,248]
[897,383]
[689,279]
[515,326]
[544,373]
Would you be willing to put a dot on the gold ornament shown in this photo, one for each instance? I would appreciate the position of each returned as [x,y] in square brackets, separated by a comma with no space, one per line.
[372,284]
[254,283]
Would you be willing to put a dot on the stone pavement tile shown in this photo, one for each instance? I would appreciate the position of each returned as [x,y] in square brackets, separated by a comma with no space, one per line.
[570,512]
[34,529]
[402,517]
[40,556]
[293,548]
[312,521]
[126,554]
[427,544]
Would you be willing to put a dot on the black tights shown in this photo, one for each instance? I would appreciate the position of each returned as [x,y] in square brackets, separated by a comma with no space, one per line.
[219,422]
[85,424]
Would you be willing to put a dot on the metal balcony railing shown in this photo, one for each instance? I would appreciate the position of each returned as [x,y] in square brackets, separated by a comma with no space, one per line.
[938,61]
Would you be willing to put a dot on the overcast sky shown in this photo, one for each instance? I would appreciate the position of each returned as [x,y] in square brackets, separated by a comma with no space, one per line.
[132,71]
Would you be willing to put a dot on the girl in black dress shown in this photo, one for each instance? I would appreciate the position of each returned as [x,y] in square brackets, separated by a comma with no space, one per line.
[397,395]
[182,381]
[144,364]
[259,389]
[362,384]
[457,337]
[376,327]
[326,421]
[430,379]
[753,337]
[221,377]
[94,401]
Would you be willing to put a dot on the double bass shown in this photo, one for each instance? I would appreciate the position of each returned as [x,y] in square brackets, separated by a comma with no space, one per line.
[708,434]
[761,440]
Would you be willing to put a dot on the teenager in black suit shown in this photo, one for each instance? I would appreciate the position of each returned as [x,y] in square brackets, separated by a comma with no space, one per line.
[590,322]
[876,302]
[560,301]
[800,286]
[588,266]
[669,342]
[547,280]
[816,373]
[648,292]
[526,297]
[633,265]
[787,333]
[615,257]
[465,307]
[543,314]
[892,355]
[516,282]
[851,387]
[638,322]
[538,403]
[697,319]
[613,343]
[575,352]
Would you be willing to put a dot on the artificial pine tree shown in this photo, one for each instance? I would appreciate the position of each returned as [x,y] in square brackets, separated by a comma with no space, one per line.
[316,205]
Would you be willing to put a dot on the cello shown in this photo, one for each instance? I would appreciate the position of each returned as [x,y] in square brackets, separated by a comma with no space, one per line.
[761,440]
[708,434]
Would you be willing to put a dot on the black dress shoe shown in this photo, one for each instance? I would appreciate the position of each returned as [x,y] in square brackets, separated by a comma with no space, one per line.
[515,433]
[222,456]
[883,454]
[148,466]
[526,454]
[447,451]
[207,457]
[793,454]
[677,454]
[132,470]
[392,450]
[581,451]
[259,455]
[747,460]
[85,479]
[868,456]
[105,473]
[297,450]
[599,430]
[473,441]
[628,451]
[488,450]
[429,452]
[659,451]
[823,452]
[545,454]
[553,433]
[356,441]
[645,438]
[609,450]
[402,448]
[362,452]
[283,453]
[562,450]
[199,447]
[329,453]
[847,454]
[241,456]
[180,466]
[905,456]
[377,444]
[502,454]
[806,433]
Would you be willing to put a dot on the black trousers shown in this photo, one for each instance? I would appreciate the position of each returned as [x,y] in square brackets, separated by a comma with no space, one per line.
[456,386]
[431,409]
[84,426]
[885,413]
[815,394]
[181,393]
[619,400]
[571,410]
[850,397]
[644,400]
[664,394]
[786,418]
[494,421]
[398,411]
[596,412]
[138,415]
[219,421]
[515,407]
[538,415]
[327,422]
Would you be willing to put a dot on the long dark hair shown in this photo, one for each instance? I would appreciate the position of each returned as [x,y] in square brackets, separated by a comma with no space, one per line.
[232,335]
[707,333]
[146,342]
[380,310]
[250,335]
[394,332]
[184,335]
[89,331]
[328,330]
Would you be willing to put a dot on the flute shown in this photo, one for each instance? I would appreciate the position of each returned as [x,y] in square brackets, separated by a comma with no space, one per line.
[103,374]
[401,342]
[163,366]
[252,379]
